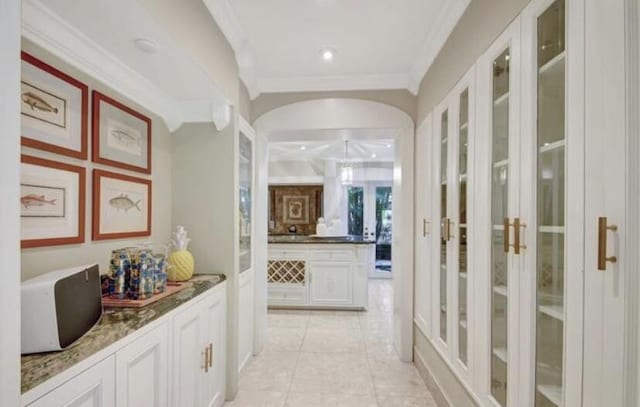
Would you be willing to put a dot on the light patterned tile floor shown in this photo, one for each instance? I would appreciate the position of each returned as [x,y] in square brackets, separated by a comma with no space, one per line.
[333,359]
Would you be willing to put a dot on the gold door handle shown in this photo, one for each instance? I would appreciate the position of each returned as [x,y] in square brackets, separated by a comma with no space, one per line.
[205,355]
[602,243]
[210,357]
[505,235]
[516,235]
[446,229]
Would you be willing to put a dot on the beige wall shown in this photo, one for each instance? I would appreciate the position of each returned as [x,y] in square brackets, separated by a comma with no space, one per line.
[481,23]
[193,27]
[39,260]
[244,104]
[402,99]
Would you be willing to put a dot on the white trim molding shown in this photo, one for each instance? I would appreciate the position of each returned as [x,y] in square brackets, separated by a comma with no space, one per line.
[436,38]
[256,84]
[48,30]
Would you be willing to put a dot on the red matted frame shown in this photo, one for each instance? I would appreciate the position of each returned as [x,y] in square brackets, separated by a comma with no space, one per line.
[82,182]
[84,113]
[98,97]
[97,175]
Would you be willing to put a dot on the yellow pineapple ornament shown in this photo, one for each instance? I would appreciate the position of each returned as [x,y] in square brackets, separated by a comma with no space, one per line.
[181,264]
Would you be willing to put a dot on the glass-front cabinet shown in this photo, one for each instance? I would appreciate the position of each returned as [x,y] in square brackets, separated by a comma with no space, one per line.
[245,201]
[454,128]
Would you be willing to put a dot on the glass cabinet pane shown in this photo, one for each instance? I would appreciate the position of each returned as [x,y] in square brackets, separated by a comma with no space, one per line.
[550,205]
[444,138]
[499,210]
[245,199]
[463,150]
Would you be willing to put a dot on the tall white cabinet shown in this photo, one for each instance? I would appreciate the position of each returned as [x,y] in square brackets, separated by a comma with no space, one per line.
[523,213]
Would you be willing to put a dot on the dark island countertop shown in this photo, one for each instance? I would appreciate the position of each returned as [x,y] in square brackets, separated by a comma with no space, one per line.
[115,324]
[304,239]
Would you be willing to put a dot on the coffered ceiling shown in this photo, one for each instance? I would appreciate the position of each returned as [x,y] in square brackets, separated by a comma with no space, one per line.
[377,44]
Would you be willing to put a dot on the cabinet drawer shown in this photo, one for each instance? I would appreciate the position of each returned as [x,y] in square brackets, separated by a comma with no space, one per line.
[284,254]
[287,295]
[332,255]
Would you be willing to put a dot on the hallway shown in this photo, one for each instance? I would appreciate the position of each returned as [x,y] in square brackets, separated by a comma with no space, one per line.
[339,359]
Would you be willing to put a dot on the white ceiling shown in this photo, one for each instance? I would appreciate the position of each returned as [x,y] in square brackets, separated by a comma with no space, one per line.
[359,150]
[380,44]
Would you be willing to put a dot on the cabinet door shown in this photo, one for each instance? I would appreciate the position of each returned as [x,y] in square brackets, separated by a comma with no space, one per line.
[423,227]
[188,357]
[95,387]
[498,130]
[142,370]
[441,144]
[331,283]
[245,348]
[214,317]
[460,182]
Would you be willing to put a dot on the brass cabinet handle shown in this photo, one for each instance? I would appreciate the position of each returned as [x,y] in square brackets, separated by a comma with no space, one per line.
[210,358]
[446,229]
[205,355]
[505,235]
[602,243]
[516,235]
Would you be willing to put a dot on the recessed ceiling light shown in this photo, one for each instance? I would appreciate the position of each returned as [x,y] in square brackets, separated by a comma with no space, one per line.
[303,148]
[146,45]
[373,155]
[327,54]
[388,145]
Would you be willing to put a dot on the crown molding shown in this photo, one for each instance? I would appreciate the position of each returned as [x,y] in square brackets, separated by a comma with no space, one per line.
[332,83]
[226,19]
[435,40]
[47,30]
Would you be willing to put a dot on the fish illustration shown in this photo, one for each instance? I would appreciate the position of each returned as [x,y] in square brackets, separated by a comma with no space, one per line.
[35,200]
[125,138]
[36,102]
[124,202]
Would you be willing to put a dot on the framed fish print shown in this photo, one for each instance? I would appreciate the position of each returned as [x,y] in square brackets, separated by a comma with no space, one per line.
[121,206]
[54,109]
[52,203]
[121,136]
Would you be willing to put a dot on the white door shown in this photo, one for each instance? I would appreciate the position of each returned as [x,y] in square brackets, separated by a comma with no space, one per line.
[95,387]
[330,283]
[142,370]
[498,265]
[423,227]
[188,357]
[605,145]
[213,377]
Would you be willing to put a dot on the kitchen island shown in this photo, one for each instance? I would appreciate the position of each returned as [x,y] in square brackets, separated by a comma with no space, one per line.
[311,272]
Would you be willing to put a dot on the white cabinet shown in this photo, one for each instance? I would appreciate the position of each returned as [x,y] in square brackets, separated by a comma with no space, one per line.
[178,360]
[330,283]
[546,272]
[199,353]
[142,370]
[95,387]
[214,317]
[320,275]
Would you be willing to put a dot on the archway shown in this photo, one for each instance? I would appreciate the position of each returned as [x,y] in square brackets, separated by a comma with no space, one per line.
[355,114]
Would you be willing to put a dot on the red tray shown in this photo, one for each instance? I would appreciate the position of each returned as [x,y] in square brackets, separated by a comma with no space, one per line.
[172,288]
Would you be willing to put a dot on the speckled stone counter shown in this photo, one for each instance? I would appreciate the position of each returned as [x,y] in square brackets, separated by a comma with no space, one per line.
[280,239]
[116,323]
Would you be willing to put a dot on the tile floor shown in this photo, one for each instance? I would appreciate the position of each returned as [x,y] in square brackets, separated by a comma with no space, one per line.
[333,358]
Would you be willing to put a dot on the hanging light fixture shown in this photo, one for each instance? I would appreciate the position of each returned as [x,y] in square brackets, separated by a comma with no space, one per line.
[346,173]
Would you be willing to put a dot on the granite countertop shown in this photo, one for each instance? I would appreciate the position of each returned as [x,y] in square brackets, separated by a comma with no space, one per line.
[279,239]
[115,324]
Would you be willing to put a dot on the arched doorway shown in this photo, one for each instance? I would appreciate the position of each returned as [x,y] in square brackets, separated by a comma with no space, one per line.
[355,114]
